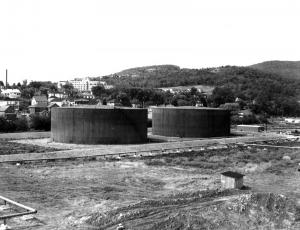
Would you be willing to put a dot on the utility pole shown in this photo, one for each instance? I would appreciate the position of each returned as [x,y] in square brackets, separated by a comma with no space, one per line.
[6,79]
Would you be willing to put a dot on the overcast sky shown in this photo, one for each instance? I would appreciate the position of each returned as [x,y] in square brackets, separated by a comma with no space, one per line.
[62,39]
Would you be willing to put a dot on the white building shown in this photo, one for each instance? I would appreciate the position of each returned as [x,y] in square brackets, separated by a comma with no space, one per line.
[11,93]
[292,120]
[10,102]
[60,84]
[57,95]
[39,100]
[85,84]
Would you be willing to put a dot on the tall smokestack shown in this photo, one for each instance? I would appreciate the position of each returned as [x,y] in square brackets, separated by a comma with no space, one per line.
[6,79]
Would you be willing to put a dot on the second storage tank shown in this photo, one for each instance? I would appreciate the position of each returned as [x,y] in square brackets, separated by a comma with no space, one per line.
[190,121]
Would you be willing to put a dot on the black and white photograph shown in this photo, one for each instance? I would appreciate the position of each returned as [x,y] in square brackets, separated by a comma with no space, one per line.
[149,114]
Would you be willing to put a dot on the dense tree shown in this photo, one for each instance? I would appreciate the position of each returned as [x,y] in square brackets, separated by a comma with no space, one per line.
[35,84]
[222,95]
[24,83]
[70,91]
[99,91]
[28,92]
[123,99]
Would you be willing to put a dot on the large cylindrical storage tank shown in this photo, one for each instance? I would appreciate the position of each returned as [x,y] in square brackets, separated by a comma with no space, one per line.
[102,125]
[190,122]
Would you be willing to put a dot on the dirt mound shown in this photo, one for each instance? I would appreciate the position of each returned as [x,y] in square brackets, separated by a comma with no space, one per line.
[205,210]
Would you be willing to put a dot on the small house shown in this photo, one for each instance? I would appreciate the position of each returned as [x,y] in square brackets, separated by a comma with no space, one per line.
[39,100]
[33,109]
[250,128]
[11,93]
[232,180]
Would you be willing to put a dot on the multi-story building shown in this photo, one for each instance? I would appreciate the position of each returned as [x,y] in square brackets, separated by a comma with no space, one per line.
[84,84]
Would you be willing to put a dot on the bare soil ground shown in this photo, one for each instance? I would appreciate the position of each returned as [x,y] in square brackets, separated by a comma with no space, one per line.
[287,142]
[159,192]
[7,148]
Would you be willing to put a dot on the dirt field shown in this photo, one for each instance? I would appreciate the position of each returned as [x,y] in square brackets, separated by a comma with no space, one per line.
[7,148]
[160,192]
[288,143]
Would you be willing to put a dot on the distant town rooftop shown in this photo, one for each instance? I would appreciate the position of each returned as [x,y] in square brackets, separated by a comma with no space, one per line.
[40,98]
[37,106]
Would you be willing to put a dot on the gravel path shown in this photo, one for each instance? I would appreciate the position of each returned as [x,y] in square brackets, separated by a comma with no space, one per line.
[106,150]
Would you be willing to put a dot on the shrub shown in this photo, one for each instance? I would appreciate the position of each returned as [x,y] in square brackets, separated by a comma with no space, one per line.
[246,120]
[6,125]
[21,124]
[40,121]
[155,162]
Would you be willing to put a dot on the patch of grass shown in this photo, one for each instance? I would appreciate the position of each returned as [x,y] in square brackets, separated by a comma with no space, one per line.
[280,166]
[226,158]
[154,162]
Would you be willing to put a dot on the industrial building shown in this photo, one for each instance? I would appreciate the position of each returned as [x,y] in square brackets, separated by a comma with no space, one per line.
[99,125]
[190,121]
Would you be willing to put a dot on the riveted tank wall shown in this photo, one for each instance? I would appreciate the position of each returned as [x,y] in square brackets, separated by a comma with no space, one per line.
[99,125]
[190,122]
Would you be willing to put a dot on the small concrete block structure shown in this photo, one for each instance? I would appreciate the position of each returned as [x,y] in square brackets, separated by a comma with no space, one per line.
[250,128]
[231,180]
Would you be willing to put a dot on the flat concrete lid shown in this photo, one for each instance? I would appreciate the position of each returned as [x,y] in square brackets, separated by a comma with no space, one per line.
[233,174]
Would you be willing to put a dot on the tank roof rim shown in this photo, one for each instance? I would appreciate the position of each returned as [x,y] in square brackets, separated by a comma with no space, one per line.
[190,108]
[100,108]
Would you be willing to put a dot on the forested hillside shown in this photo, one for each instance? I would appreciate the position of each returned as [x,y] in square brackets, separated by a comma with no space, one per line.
[287,69]
[239,79]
